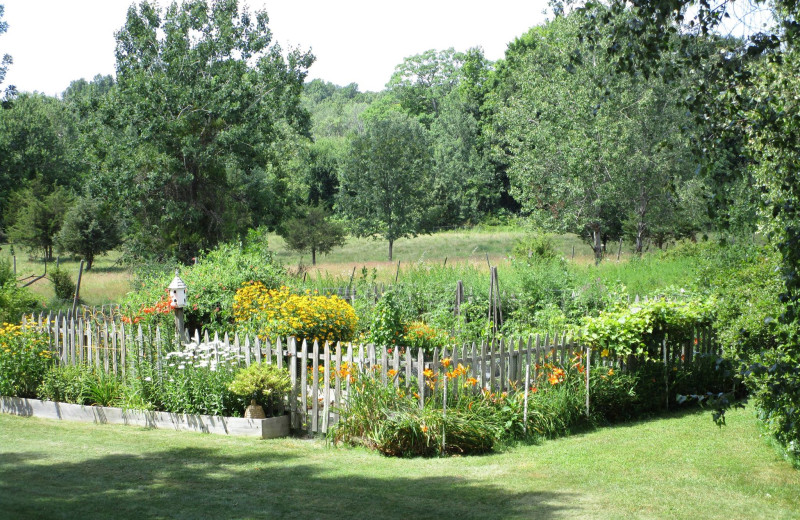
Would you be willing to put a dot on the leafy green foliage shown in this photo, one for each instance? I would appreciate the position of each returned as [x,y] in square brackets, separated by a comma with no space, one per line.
[205,160]
[90,229]
[14,301]
[63,285]
[266,384]
[64,384]
[25,357]
[388,327]
[313,232]
[640,327]
[38,219]
[212,281]
[383,185]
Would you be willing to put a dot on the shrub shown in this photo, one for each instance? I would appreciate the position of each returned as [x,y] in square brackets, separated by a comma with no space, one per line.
[266,384]
[212,283]
[14,301]
[25,358]
[387,327]
[272,313]
[536,247]
[63,285]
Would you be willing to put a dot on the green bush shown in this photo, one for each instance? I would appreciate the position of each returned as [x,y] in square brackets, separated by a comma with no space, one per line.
[391,421]
[63,285]
[387,327]
[212,284]
[14,301]
[536,247]
[266,384]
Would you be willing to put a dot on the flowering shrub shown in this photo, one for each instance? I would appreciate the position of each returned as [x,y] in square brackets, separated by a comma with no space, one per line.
[24,359]
[274,313]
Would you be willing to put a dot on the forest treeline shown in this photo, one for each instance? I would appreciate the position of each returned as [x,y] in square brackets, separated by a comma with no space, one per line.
[210,129]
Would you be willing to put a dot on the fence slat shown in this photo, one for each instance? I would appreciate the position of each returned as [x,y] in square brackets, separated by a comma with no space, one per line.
[294,416]
[304,382]
[315,389]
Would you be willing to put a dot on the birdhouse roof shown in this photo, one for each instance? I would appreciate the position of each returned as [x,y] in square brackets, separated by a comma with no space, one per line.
[177,283]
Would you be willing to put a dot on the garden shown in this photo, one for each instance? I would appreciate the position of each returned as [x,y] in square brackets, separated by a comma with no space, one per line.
[417,368]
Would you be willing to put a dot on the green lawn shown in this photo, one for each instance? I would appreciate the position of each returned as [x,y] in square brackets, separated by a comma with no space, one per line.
[680,466]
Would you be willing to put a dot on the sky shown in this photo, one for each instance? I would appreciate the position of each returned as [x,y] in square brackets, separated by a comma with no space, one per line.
[54,42]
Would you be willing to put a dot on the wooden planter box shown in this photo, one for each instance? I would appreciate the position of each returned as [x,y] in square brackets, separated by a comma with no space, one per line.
[269,428]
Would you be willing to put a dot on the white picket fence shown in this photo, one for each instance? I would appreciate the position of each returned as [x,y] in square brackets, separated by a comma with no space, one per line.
[319,388]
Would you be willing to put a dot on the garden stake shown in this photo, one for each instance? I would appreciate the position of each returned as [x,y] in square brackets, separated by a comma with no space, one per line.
[444,413]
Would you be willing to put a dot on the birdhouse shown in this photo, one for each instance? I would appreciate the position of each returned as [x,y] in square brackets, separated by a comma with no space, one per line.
[177,292]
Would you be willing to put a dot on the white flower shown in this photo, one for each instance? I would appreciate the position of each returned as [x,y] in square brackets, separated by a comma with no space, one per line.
[148,378]
[181,366]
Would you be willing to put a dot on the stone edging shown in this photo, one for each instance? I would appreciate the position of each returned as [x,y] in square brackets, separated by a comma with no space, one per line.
[264,428]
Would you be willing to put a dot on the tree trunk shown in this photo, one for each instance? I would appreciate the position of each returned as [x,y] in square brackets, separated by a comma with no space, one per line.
[89,262]
[640,230]
[391,244]
[313,256]
[597,243]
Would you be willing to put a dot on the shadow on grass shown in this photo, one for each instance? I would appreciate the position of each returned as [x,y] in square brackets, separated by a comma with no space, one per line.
[202,483]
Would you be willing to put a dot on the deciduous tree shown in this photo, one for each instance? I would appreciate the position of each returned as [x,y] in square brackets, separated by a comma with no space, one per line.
[385,181]
[205,102]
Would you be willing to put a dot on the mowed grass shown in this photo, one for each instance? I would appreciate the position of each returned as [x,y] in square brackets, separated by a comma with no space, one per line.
[678,466]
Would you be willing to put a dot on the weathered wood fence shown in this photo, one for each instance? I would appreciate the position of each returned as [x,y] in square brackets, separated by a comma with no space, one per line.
[318,372]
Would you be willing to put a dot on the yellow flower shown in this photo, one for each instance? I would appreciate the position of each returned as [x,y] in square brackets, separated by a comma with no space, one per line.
[604,353]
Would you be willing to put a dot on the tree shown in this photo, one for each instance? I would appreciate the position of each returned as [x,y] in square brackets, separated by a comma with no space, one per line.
[748,93]
[38,219]
[6,60]
[90,229]
[313,232]
[422,81]
[37,136]
[383,186]
[463,182]
[588,148]
[205,104]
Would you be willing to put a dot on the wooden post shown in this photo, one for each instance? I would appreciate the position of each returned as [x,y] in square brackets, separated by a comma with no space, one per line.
[666,372]
[77,288]
[397,273]
[619,251]
[179,324]
[15,265]
[525,407]
[588,367]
